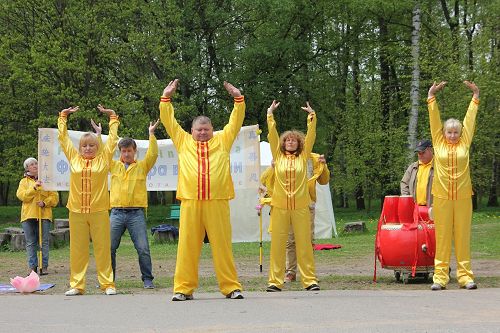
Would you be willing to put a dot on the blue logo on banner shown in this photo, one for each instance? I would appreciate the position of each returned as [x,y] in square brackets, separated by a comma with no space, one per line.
[62,166]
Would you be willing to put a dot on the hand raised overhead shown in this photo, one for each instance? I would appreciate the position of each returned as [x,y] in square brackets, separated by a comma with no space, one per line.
[232,90]
[170,88]
[109,112]
[273,107]
[97,128]
[152,127]
[472,86]
[435,88]
[307,108]
[69,110]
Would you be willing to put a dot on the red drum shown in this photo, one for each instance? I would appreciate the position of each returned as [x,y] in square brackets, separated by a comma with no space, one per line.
[424,214]
[390,209]
[398,247]
[406,207]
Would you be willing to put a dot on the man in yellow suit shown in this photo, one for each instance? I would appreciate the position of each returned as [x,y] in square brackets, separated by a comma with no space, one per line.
[204,188]
[129,199]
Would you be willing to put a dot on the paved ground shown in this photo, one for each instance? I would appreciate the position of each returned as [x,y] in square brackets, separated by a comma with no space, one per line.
[301,311]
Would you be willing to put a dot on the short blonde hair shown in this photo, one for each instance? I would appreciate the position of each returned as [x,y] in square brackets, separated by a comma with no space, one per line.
[87,138]
[452,123]
[297,135]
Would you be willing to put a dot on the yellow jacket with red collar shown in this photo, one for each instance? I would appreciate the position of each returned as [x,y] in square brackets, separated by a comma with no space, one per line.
[451,161]
[290,189]
[88,191]
[204,167]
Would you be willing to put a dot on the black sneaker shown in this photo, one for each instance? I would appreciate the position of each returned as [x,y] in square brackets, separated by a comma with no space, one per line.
[272,288]
[313,287]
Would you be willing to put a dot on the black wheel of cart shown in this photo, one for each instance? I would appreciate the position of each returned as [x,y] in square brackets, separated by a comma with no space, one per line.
[397,275]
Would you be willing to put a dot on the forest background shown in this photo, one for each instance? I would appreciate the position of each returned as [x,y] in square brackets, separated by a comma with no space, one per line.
[364,65]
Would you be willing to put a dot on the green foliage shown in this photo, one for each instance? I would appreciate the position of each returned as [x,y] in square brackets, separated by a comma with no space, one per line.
[350,59]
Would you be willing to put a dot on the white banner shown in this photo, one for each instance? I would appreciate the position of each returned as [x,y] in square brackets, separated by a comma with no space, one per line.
[54,168]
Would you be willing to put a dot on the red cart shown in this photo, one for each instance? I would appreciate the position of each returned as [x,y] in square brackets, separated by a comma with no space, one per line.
[405,240]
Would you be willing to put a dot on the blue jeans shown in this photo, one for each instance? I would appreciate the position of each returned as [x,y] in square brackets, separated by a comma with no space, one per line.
[132,219]
[30,227]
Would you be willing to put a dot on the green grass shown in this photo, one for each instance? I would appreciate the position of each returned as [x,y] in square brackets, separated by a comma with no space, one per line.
[337,269]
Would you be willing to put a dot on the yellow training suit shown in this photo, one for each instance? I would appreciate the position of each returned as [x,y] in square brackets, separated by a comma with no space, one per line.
[452,191]
[30,194]
[204,188]
[321,174]
[88,205]
[290,202]
[128,186]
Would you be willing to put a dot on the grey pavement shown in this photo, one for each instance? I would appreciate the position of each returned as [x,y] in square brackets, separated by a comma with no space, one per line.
[291,311]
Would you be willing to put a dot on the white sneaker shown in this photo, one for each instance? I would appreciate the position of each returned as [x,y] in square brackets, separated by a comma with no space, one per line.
[235,294]
[181,297]
[73,292]
[110,291]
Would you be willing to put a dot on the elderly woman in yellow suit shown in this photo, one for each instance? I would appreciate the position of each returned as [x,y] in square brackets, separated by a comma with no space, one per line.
[88,202]
[37,203]
[290,200]
[452,189]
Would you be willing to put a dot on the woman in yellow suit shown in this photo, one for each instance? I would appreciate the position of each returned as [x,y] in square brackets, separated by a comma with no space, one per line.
[35,200]
[290,200]
[452,189]
[88,202]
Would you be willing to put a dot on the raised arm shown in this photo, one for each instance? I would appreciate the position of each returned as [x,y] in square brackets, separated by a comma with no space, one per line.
[434,114]
[110,146]
[64,141]
[174,130]
[470,116]
[152,152]
[98,130]
[272,134]
[233,127]
[311,129]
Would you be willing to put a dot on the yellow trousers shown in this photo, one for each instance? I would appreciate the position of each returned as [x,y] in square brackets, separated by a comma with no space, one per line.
[291,253]
[300,220]
[452,220]
[82,227]
[198,216]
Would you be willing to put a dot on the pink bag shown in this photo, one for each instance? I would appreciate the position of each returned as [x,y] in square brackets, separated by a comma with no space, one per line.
[28,284]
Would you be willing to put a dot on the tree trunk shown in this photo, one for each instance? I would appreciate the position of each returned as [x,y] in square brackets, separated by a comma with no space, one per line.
[415,82]
[385,96]
[4,193]
[453,23]
[492,195]
[359,193]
